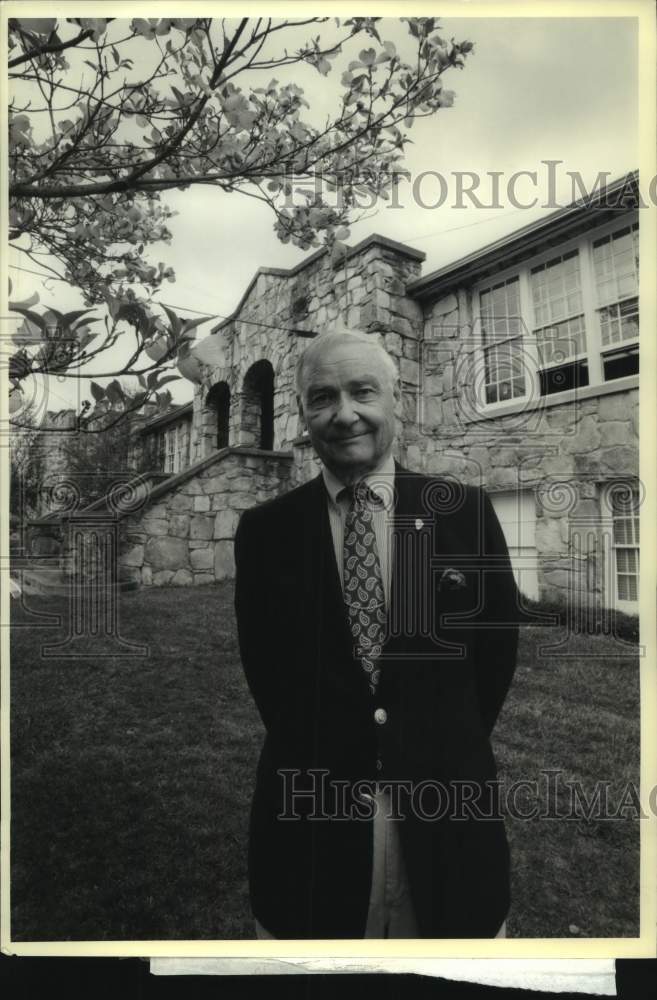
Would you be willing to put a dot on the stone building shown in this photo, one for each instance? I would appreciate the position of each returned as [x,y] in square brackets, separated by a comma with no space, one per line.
[519,372]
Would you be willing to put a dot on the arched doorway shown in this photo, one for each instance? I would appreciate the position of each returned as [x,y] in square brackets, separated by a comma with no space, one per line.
[217,405]
[257,428]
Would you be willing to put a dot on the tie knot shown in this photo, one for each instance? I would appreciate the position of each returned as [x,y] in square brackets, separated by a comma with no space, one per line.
[361,497]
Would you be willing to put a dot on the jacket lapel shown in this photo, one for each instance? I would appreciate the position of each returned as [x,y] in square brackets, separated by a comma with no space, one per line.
[403,544]
[423,539]
[321,579]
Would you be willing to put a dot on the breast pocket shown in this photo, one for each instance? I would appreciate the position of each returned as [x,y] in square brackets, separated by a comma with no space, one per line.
[458,600]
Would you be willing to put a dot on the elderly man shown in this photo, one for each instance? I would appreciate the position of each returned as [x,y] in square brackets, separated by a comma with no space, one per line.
[375,611]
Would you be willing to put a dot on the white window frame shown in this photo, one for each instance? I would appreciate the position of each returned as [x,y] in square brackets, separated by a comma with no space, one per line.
[508,339]
[558,253]
[183,446]
[174,444]
[179,448]
[606,350]
[595,350]
[169,451]
[628,606]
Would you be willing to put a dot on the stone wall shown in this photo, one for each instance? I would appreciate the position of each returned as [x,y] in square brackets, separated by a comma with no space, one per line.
[306,464]
[184,533]
[566,454]
[362,286]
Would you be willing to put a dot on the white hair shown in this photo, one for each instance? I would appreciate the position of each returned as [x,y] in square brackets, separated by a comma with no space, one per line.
[337,336]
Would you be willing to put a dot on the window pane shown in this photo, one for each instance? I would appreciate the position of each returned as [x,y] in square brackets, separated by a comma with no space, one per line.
[541,313]
[572,375]
[619,322]
[556,289]
[625,512]
[616,265]
[504,374]
[620,532]
[560,341]
[628,589]
[558,309]
[500,311]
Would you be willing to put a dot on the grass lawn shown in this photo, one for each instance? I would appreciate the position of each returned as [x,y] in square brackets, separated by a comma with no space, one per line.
[132,778]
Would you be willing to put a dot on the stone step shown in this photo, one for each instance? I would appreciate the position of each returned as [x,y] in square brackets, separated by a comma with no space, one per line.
[49,581]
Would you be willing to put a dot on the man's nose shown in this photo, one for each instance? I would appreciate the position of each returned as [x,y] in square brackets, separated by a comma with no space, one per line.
[344,410]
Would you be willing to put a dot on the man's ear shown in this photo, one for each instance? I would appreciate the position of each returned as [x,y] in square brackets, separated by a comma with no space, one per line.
[396,389]
[302,417]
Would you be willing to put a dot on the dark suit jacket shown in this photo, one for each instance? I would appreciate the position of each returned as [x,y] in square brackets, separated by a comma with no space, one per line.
[448,662]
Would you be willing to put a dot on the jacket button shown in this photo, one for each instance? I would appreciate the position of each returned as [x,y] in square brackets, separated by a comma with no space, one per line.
[379,765]
[380,716]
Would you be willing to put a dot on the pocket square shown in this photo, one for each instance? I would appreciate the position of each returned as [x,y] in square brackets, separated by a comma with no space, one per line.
[452,579]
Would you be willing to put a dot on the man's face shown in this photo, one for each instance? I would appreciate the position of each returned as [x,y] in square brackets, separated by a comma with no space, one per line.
[348,405]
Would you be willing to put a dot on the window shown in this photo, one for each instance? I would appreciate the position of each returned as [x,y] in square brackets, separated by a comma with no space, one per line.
[169,450]
[623,502]
[619,322]
[502,337]
[176,447]
[559,323]
[567,319]
[516,512]
[616,265]
[161,451]
[182,447]
[618,364]
[557,289]
[571,375]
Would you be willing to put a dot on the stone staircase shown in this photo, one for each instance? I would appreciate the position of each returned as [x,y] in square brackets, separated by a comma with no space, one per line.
[44,577]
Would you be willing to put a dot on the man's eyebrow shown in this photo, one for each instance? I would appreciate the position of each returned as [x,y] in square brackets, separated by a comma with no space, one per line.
[354,383]
[320,387]
[364,380]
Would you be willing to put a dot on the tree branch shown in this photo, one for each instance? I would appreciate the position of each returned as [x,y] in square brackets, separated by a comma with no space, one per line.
[47,49]
[169,147]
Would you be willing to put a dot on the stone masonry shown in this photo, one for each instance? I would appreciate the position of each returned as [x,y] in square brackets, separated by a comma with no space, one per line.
[184,533]
[362,287]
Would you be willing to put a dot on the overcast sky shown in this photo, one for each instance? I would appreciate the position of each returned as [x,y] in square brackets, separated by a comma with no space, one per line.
[534,89]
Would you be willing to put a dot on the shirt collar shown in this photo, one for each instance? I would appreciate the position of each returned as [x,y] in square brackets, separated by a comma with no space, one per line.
[377,480]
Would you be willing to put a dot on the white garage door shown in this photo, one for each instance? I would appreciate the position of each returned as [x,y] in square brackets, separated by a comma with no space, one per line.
[516,511]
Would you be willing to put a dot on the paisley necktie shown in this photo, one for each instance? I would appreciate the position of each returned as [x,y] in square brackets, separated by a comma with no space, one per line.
[363,585]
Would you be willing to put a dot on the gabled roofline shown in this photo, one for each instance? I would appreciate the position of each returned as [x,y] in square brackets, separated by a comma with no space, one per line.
[523,240]
[375,239]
